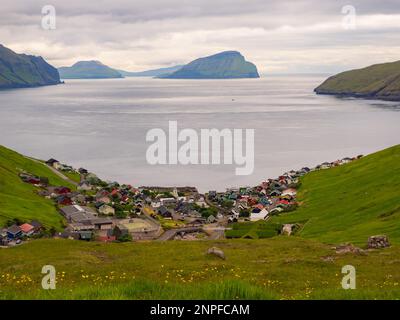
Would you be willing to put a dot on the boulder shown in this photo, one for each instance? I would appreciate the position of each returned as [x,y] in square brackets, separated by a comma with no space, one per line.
[216,252]
[348,248]
[287,229]
[377,242]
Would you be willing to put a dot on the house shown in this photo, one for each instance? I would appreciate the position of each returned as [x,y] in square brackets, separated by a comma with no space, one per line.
[77,213]
[167,201]
[212,194]
[346,160]
[258,206]
[106,209]
[84,186]
[53,163]
[102,223]
[79,199]
[232,219]
[290,191]
[3,237]
[211,219]
[27,229]
[261,215]
[83,171]
[325,165]
[164,212]
[36,225]
[85,235]
[82,226]
[14,232]
[103,199]
[275,193]
[64,200]
[276,210]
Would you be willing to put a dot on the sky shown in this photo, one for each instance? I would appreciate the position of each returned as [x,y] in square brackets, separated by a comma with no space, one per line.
[285,36]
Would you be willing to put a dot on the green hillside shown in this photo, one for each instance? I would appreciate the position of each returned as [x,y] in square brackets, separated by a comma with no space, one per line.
[21,70]
[351,202]
[19,199]
[381,81]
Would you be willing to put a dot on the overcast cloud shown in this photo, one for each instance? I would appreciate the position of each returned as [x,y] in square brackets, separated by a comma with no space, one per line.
[279,36]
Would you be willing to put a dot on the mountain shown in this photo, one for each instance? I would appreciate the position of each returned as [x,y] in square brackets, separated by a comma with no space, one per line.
[150,73]
[224,65]
[379,81]
[88,70]
[22,71]
[349,203]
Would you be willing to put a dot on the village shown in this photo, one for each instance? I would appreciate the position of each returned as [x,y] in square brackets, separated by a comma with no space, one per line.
[96,210]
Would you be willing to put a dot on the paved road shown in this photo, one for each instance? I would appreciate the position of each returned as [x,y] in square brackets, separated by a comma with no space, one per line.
[170,234]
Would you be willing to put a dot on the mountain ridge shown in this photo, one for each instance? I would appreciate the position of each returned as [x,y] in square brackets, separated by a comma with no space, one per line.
[89,69]
[378,81]
[24,71]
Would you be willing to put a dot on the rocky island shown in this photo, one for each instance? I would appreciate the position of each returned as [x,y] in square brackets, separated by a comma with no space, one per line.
[379,81]
[88,70]
[22,71]
[224,65]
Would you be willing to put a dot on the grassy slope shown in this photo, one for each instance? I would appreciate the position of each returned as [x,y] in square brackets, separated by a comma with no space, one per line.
[351,202]
[281,267]
[19,199]
[382,80]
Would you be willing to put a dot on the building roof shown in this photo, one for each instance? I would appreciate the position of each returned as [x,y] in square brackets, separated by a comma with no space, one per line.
[70,210]
[35,224]
[81,216]
[51,161]
[14,229]
[26,227]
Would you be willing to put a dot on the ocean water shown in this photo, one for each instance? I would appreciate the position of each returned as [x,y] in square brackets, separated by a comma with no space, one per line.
[102,124]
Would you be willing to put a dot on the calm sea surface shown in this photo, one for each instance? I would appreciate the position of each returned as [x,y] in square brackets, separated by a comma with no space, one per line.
[101,125]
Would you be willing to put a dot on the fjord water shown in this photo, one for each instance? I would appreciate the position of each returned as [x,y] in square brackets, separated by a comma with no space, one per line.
[102,124]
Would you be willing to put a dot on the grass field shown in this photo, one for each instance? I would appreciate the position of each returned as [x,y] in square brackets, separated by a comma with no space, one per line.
[253,230]
[19,199]
[351,202]
[277,268]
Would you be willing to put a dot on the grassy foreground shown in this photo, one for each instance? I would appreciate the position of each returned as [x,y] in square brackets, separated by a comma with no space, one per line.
[19,199]
[277,268]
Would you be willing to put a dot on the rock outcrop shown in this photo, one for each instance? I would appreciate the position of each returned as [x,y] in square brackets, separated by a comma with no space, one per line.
[378,242]
[216,252]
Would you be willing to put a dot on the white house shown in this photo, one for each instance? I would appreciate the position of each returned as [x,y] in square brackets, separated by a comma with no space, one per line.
[259,216]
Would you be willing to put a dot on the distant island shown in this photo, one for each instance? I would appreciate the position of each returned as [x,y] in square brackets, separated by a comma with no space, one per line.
[379,81]
[24,71]
[88,70]
[224,65]
[150,73]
